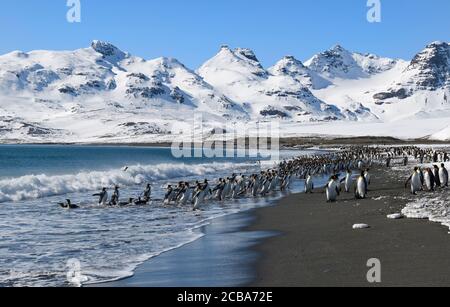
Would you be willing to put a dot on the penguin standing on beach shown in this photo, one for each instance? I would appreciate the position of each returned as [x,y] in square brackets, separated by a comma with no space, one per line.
[436,175]
[361,186]
[347,181]
[309,184]
[368,177]
[443,175]
[416,180]
[332,189]
[429,180]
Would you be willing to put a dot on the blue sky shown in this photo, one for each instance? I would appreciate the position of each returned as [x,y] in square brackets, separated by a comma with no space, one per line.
[193,30]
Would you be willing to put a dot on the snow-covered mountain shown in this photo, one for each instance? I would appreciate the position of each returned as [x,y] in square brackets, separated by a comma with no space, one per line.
[341,63]
[275,93]
[103,94]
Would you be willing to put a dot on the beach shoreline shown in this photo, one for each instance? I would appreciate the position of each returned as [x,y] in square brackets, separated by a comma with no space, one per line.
[318,247]
[302,241]
[223,257]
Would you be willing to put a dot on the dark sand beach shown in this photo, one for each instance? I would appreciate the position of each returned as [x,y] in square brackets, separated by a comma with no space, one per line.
[318,246]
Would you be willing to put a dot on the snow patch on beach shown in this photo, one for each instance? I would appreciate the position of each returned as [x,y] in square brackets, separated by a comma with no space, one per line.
[435,209]
[396,216]
[360,226]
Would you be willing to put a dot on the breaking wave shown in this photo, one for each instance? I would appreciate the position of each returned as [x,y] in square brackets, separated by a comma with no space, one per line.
[39,186]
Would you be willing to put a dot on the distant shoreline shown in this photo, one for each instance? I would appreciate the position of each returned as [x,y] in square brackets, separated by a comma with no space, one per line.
[285,143]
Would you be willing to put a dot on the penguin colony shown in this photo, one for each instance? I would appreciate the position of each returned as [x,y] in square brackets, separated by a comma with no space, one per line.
[354,161]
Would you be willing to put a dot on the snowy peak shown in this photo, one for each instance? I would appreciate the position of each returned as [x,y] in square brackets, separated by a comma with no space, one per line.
[341,63]
[108,50]
[278,92]
[290,66]
[431,67]
[428,71]
[233,66]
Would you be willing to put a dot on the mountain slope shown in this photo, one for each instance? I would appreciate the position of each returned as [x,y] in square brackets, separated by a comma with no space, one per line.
[341,63]
[103,94]
[264,94]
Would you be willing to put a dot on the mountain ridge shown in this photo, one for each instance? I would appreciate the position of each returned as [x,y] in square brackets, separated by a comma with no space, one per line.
[103,93]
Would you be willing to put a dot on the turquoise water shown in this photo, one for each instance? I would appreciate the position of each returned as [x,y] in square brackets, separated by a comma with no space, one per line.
[39,239]
[21,160]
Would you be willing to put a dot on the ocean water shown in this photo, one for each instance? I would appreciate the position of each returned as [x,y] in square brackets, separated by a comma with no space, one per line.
[40,242]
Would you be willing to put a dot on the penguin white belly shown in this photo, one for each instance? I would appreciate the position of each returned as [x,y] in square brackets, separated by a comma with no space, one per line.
[185,198]
[367,176]
[309,185]
[226,191]
[443,177]
[348,183]
[331,192]
[361,188]
[255,189]
[199,200]
[427,180]
[416,183]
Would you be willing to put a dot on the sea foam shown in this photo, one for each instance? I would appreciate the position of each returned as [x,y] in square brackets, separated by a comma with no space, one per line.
[39,186]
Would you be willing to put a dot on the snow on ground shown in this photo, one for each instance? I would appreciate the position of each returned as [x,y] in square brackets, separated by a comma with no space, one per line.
[101,94]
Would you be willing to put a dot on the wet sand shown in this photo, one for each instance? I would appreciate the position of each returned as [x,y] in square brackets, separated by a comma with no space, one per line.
[318,246]
[223,257]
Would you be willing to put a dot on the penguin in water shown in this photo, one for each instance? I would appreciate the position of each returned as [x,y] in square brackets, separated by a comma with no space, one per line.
[309,184]
[115,197]
[168,197]
[443,175]
[68,205]
[416,180]
[147,195]
[103,197]
[200,195]
[218,189]
[186,195]
[255,186]
[361,186]
[332,189]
